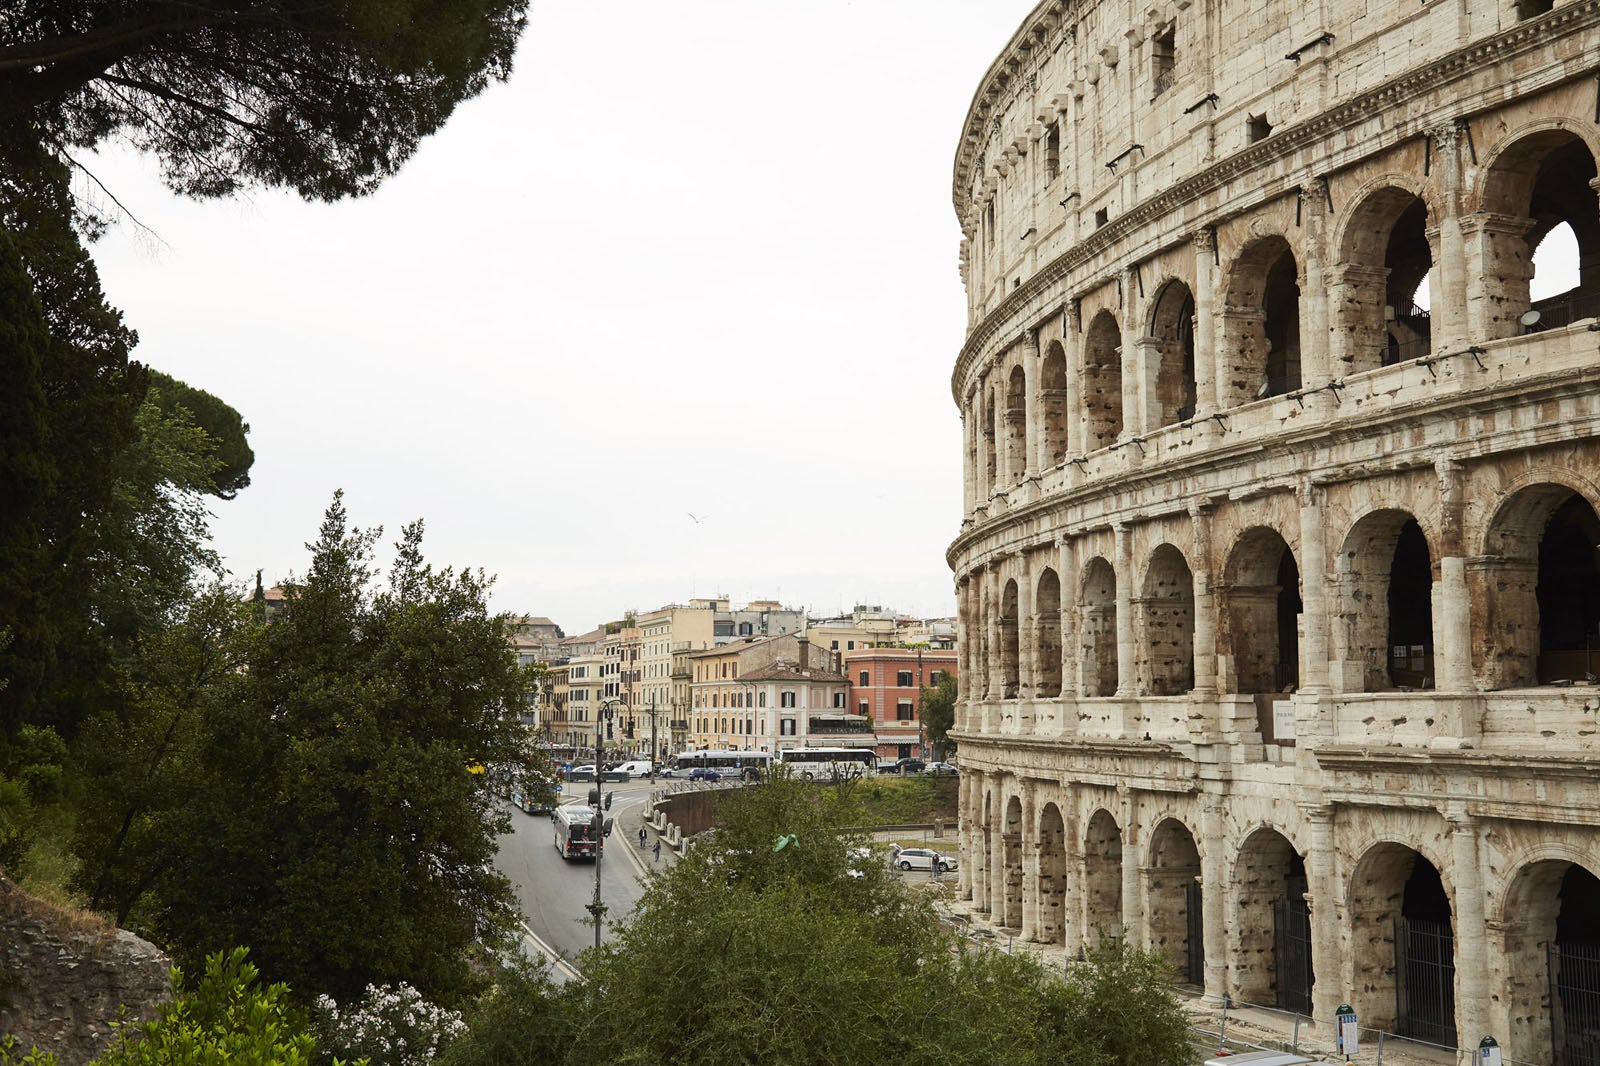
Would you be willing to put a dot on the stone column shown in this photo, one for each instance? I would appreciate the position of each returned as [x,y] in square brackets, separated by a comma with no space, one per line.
[1498,265]
[1073,874]
[1127,649]
[1031,429]
[1147,417]
[1447,315]
[1315,371]
[1027,654]
[965,827]
[969,439]
[1070,688]
[1213,898]
[1327,917]
[1205,603]
[994,589]
[1132,362]
[997,854]
[1452,626]
[1072,346]
[1030,862]
[1314,592]
[1472,956]
[1205,323]
[1132,875]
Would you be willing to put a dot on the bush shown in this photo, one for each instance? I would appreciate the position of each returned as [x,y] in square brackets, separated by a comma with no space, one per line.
[9,1054]
[38,761]
[226,1017]
[391,1025]
[17,823]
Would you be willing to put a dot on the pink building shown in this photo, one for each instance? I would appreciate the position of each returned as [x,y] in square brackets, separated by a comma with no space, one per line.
[885,685]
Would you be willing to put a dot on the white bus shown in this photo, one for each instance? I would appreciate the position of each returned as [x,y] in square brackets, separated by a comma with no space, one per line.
[575,835]
[829,763]
[750,765]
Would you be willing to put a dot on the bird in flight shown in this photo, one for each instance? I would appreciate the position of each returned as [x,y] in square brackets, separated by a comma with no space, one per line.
[696,517]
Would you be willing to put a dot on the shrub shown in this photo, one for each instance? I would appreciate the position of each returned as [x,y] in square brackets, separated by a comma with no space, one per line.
[390,1024]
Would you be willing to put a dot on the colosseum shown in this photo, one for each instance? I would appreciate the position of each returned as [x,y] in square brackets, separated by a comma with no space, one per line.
[1278,571]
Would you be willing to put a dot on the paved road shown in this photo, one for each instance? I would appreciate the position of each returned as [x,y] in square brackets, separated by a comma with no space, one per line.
[553,892]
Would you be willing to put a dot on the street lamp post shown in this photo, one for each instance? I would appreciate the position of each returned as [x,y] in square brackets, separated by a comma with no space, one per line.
[604,716]
[922,744]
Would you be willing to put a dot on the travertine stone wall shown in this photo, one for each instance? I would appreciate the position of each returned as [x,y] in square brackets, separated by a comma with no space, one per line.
[1278,570]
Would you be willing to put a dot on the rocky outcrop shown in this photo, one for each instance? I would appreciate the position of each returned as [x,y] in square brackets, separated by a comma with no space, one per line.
[66,976]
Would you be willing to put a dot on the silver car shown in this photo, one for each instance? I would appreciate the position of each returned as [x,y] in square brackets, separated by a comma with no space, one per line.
[923,859]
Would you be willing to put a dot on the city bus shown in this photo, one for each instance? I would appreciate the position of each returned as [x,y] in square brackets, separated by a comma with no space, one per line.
[575,836]
[829,763]
[750,765]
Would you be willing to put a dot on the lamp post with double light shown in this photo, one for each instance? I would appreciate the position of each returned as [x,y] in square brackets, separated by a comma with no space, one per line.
[599,826]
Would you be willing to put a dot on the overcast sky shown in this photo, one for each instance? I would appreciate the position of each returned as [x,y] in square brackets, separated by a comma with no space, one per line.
[695,258]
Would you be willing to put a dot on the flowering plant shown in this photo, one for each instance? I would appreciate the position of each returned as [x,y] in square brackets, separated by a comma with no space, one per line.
[391,1025]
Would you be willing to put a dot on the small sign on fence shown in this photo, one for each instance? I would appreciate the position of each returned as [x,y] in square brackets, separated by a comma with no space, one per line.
[1346,1031]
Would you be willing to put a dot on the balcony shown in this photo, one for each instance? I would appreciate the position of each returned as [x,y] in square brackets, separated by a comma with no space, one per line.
[839,725]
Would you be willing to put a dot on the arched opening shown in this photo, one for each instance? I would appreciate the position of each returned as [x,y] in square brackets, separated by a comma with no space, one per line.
[1097,628]
[1379,318]
[1052,925]
[1542,183]
[1053,403]
[1012,841]
[1261,611]
[1175,900]
[1552,929]
[1543,588]
[1404,945]
[1102,887]
[1272,951]
[1386,601]
[1016,424]
[1172,328]
[1102,381]
[1047,635]
[1260,344]
[1166,625]
[1009,665]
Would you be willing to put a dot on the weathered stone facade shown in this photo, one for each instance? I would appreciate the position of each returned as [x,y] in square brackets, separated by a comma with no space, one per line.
[1278,591]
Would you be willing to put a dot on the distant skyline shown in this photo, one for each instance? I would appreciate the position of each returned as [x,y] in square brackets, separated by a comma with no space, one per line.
[670,314]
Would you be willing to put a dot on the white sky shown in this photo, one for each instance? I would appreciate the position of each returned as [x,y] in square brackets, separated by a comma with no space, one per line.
[694,257]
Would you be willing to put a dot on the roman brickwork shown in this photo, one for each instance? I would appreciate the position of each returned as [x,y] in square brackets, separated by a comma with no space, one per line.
[1279,568]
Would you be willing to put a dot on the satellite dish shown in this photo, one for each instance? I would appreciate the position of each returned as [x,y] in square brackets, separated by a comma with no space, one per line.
[1530,318]
[1261,393]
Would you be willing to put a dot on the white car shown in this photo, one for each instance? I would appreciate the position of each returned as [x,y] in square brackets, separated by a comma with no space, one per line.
[922,859]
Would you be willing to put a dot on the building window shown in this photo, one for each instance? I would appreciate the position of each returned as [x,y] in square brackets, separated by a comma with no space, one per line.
[838,700]
[1052,152]
[902,711]
[865,679]
[935,677]
[1101,217]
[787,727]
[1257,128]
[903,679]
[863,708]
[761,699]
[1164,57]
[744,629]
[849,645]
[833,645]
[786,699]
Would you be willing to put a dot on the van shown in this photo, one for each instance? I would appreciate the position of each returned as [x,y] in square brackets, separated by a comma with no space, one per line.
[637,768]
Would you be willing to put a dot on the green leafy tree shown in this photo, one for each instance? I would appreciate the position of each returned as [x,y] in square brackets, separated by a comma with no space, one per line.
[230,450]
[776,944]
[322,805]
[327,98]
[939,713]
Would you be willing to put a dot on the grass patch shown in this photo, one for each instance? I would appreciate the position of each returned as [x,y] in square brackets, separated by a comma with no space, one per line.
[47,867]
[908,800]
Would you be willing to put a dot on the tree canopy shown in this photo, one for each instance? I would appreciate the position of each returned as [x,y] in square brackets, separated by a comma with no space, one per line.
[327,97]
[307,786]
[749,952]
[938,703]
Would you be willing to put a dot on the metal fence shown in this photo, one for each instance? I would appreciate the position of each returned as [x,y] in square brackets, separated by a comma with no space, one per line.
[1425,976]
[1575,1004]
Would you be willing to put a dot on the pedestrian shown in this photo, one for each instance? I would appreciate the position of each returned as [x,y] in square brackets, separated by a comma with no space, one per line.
[658,851]
[642,836]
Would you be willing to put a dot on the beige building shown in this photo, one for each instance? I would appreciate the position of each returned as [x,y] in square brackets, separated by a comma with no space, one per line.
[771,693]
[663,632]
[1277,569]
[585,686]
[863,627]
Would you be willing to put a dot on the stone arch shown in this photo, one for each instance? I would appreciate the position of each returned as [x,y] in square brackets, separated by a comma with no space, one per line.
[1402,944]
[1102,883]
[1047,635]
[1259,346]
[1172,332]
[1010,665]
[1385,586]
[1384,256]
[1166,624]
[1102,381]
[1541,587]
[1260,609]
[1175,905]
[1552,950]
[1011,841]
[1053,403]
[1534,181]
[1272,960]
[1016,417]
[1052,924]
[1097,628]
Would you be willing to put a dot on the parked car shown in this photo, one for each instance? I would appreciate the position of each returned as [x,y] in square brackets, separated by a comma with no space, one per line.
[674,771]
[903,766]
[923,859]
[583,772]
[940,769]
[704,773]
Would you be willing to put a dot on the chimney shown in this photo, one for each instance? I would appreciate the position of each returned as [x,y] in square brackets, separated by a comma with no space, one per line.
[803,654]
